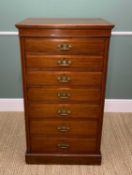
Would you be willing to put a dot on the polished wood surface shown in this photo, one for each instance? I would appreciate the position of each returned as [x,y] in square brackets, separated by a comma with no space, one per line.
[61,128]
[78,46]
[64,23]
[64,62]
[64,78]
[64,95]
[64,65]
[65,33]
[74,145]
[65,111]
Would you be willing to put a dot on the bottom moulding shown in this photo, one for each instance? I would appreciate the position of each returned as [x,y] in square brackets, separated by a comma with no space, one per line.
[71,159]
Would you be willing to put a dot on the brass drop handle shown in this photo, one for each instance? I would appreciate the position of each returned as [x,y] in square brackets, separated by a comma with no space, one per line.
[64,62]
[64,112]
[63,79]
[63,95]
[63,129]
[64,47]
[63,146]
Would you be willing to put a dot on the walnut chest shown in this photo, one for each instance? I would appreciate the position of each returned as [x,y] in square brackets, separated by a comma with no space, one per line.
[64,65]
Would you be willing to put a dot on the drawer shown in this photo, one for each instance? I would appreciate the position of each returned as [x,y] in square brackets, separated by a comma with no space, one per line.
[63,32]
[92,79]
[61,128]
[61,62]
[63,111]
[91,46]
[58,145]
[64,95]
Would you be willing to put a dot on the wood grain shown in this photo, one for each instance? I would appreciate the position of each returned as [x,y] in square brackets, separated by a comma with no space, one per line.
[49,46]
[74,95]
[65,33]
[64,23]
[48,145]
[61,128]
[46,111]
[48,78]
[86,43]
[41,61]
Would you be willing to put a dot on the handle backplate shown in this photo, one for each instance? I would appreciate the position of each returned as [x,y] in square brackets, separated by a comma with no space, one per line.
[63,146]
[64,95]
[63,128]
[64,112]
[64,79]
[64,46]
[64,62]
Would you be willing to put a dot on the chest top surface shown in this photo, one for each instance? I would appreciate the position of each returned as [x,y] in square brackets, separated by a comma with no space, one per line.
[64,23]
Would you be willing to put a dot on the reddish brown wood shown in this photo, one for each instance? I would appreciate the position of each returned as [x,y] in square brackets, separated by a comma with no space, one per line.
[65,33]
[51,78]
[24,94]
[50,145]
[50,46]
[61,128]
[85,42]
[41,61]
[47,111]
[79,159]
[100,124]
[74,95]
[81,23]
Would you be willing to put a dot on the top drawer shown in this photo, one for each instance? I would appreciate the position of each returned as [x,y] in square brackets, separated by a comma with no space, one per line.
[91,46]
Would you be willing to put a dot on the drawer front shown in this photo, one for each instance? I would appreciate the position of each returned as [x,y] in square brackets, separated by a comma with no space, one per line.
[64,95]
[63,32]
[66,111]
[61,128]
[93,79]
[89,46]
[62,62]
[58,145]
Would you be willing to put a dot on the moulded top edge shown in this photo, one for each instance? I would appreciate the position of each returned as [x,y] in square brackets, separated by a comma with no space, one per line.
[79,23]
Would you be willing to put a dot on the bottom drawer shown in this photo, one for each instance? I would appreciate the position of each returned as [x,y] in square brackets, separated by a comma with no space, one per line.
[65,145]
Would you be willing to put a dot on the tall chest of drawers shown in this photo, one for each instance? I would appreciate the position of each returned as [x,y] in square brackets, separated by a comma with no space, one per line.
[64,65]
